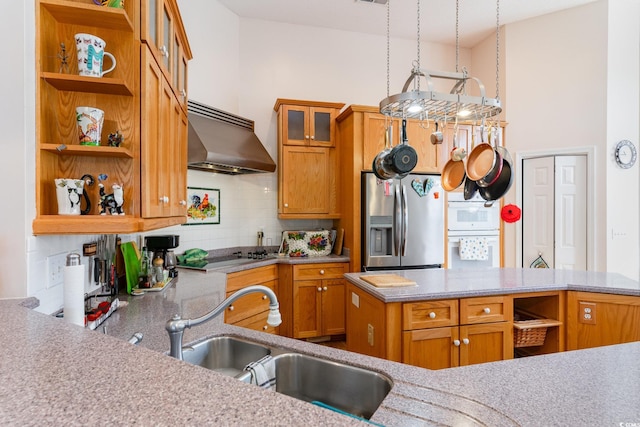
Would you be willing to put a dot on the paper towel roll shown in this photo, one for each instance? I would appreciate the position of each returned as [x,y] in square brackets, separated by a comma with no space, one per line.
[73,282]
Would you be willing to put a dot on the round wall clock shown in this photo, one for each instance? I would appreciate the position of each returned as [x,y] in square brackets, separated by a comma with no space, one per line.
[625,154]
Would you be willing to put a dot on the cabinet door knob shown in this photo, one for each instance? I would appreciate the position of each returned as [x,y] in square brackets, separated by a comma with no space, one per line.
[456,343]
[265,327]
[183,93]
[264,297]
[432,315]
[465,341]
[306,136]
[324,289]
[321,271]
[487,310]
[183,203]
[313,137]
[164,51]
[286,205]
[164,199]
[231,308]
[319,289]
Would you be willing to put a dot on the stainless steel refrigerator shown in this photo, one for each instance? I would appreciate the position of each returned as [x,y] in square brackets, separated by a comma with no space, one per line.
[402,222]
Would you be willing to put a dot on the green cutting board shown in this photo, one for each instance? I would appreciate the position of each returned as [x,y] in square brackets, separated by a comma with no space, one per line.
[131,257]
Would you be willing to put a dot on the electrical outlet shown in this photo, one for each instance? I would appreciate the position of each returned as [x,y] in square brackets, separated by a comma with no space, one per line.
[587,313]
[355,299]
[55,269]
[370,334]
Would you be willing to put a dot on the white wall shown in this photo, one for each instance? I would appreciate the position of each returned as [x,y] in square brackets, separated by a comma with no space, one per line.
[556,86]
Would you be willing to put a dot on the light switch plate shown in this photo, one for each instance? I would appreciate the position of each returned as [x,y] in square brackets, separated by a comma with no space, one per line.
[355,299]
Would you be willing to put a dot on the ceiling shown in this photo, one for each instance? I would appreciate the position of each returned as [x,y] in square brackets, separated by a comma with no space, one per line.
[477,18]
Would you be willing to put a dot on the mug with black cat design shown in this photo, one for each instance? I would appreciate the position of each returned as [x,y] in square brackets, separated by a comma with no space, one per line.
[69,195]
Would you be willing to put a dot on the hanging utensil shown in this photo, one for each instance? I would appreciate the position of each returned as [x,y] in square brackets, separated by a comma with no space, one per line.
[380,170]
[470,186]
[453,173]
[403,158]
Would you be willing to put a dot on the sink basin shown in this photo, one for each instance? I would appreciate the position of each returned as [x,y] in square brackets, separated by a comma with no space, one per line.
[227,355]
[347,388]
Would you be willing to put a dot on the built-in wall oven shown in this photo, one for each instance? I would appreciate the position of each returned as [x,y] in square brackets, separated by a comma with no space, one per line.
[473,232]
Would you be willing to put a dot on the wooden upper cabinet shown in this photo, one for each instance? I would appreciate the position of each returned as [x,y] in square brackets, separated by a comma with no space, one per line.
[163,33]
[308,176]
[309,126]
[140,98]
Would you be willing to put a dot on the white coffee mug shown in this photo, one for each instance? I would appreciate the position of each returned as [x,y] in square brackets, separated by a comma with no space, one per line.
[90,120]
[91,53]
[69,195]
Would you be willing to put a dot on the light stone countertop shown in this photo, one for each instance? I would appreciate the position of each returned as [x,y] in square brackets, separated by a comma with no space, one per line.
[57,373]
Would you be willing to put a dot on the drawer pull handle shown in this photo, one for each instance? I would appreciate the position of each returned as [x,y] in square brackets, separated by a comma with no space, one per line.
[319,289]
[456,343]
[324,289]
[465,341]
[231,308]
[487,310]
[321,271]
[432,315]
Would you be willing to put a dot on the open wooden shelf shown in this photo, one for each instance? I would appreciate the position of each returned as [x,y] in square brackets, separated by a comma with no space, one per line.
[106,224]
[69,12]
[76,83]
[88,150]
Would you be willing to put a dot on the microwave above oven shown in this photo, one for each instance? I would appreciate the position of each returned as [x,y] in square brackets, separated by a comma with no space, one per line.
[471,215]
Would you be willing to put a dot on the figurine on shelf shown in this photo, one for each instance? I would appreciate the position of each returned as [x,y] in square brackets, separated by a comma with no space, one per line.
[115,139]
[64,59]
[111,203]
[110,3]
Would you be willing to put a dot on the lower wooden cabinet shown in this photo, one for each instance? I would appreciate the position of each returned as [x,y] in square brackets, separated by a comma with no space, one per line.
[313,297]
[251,311]
[595,320]
[449,333]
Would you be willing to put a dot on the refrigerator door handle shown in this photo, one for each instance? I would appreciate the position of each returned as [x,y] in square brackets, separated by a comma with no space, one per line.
[405,219]
[397,211]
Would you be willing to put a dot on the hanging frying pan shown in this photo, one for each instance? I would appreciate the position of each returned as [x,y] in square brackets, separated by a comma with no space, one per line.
[402,158]
[502,184]
[453,173]
[380,169]
[482,159]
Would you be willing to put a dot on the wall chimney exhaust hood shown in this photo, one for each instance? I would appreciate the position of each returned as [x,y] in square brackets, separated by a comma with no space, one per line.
[225,143]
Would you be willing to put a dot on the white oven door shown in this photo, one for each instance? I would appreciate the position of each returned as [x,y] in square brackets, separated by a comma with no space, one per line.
[455,260]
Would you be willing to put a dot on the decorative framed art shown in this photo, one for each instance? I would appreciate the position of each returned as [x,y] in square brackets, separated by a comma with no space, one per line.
[203,206]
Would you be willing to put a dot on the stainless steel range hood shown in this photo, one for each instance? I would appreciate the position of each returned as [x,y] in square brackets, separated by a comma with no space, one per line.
[225,143]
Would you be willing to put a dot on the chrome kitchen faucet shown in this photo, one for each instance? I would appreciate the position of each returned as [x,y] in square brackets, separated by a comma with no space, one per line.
[176,325]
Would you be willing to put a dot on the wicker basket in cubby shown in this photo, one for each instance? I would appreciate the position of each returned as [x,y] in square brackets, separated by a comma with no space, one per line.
[530,331]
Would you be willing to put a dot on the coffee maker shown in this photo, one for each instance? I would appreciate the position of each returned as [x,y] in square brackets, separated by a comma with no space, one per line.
[162,246]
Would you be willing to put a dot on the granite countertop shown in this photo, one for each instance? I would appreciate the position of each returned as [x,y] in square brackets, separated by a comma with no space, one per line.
[459,283]
[53,371]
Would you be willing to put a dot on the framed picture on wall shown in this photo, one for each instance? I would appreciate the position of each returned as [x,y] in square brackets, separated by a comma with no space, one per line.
[203,206]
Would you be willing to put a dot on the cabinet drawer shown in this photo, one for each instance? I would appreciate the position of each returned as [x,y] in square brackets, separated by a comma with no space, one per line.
[319,271]
[486,310]
[255,276]
[258,322]
[248,305]
[429,314]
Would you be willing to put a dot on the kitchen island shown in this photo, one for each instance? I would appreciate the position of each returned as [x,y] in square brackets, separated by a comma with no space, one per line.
[54,372]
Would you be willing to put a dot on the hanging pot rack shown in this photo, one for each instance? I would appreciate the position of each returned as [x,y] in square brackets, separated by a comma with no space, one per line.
[427,105]
[432,105]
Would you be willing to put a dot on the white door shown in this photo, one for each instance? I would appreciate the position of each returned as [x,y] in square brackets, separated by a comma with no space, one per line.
[555,211]
[571,213]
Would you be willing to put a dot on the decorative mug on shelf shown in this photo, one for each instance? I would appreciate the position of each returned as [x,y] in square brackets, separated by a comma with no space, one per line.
[91,54]
[90,120]
[69,194]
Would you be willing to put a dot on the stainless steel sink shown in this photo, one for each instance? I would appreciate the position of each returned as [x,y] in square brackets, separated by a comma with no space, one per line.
[227,355]
[348,388]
